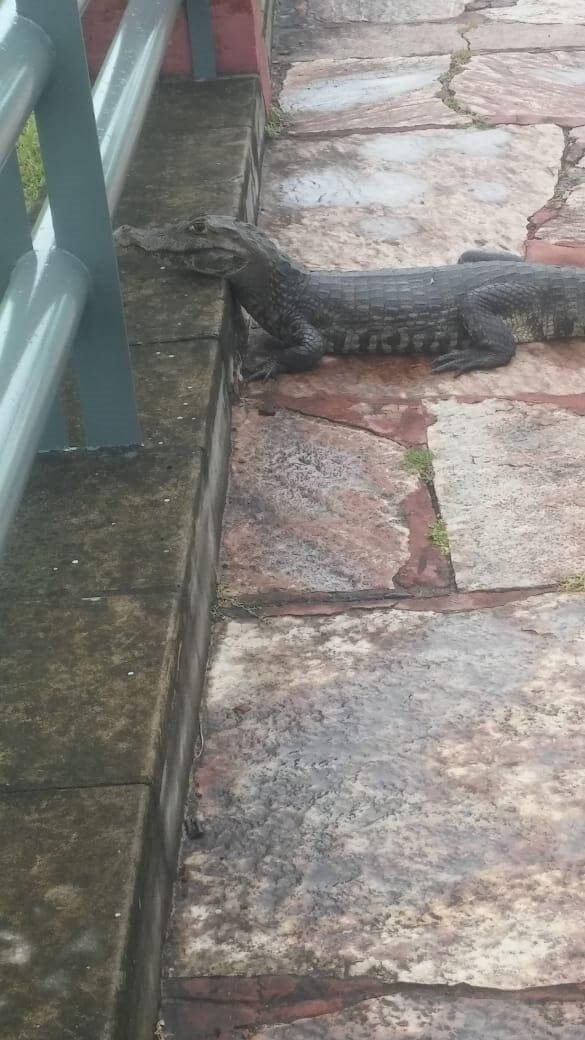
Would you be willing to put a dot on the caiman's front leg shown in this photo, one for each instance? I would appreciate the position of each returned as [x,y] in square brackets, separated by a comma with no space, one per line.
[302,348]
[475,256]
[483,312]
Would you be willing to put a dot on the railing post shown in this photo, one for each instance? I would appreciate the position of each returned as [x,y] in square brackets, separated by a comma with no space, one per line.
[15,241]
[201,37]
[81,221]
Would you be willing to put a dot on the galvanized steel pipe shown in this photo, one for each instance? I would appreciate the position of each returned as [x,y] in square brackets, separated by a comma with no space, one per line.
[125,84]
[122,93]
[26,59]
[39,316]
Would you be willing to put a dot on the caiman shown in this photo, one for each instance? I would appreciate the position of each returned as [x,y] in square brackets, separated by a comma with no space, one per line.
[468,315]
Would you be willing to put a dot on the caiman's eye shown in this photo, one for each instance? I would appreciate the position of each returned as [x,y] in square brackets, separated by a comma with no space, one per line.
[197,227]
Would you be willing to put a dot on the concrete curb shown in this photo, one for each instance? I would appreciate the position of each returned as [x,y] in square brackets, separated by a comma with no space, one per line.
[107,588]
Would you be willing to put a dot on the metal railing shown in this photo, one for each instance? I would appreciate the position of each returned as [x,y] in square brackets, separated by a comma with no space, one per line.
[59,284]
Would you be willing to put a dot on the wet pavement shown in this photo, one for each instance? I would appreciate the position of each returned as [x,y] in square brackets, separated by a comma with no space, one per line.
[389,839]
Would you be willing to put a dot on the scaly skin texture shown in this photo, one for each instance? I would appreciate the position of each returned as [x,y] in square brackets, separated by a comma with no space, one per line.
[470,314]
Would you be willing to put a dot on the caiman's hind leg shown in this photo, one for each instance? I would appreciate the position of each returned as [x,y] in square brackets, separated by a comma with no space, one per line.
[483,312]
[474,256]
[302,349]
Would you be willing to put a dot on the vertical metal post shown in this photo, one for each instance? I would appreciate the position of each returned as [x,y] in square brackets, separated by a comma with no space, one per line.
[81,221]
[202,43]
[14,243]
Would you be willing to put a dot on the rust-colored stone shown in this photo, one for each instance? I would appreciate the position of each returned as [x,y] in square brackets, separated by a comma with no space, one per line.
[405,423]
[313,506]
[564,254]
[523,88]
[426,566]
[211,1007]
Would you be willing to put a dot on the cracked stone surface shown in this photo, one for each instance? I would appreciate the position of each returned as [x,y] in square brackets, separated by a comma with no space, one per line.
[543,11]
[421,782]
[525,88]
[313,507]
[412,198]
[509,479]
[327,96]
[394,1018]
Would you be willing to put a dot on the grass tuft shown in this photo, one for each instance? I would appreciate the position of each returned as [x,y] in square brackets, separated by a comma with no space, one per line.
[439,537]
[275,123]
[419,461]
[31,163]
[574,583]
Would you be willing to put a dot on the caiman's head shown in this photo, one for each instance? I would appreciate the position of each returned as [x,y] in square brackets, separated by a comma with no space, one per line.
[216,246]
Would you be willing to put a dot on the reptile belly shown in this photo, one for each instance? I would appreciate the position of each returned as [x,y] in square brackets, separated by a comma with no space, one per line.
[393,340]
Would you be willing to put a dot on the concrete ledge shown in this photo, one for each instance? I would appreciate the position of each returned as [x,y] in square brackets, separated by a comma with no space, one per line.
[106,588]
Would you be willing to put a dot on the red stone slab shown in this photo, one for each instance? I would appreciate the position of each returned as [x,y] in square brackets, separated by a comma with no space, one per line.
[341,95]
[525,88]
[519,36]
[566,253]
[314,506]
[366,391]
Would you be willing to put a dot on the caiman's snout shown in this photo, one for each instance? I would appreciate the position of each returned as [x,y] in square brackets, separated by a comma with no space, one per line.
[125,237]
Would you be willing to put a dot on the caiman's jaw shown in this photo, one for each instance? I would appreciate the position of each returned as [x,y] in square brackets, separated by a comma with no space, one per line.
[210,245]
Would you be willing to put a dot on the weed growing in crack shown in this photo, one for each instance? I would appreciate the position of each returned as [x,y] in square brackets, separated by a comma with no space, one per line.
[224,602]
[420,462]
[459,59]
[439,537]
[574,583]
[275,123]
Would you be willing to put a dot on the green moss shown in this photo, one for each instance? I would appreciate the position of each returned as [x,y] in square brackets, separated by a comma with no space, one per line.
[574,583]
[274,123]
[458,62]
[31,163]
[419,461]
[439,537]
[223,603]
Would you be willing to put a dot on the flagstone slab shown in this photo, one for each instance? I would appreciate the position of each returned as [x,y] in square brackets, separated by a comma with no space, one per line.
[525,88]
[369,40]
[509,480]
[381,200]
[394,793]
[340,95]
[568,223]
[392,11]
[313,507]
[519,36]
[539,11]
[537,370]
[416,1018]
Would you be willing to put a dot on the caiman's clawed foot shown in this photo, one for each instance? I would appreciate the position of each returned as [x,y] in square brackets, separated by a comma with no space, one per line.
[460,361]
[256,368]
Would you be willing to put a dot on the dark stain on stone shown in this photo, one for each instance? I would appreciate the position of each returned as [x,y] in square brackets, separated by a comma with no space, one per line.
[202,1008]
[400,421]
[426,566]
[213,1007]
[441,603]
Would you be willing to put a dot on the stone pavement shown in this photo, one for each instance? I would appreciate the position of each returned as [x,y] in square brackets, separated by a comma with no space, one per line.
[387,833]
